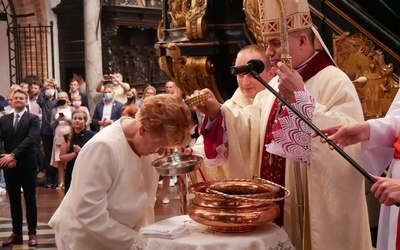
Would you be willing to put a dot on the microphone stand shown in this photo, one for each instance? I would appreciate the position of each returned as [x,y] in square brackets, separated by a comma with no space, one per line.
[313,127]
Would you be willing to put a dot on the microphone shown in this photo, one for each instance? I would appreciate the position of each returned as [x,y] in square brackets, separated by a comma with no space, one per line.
[252,65]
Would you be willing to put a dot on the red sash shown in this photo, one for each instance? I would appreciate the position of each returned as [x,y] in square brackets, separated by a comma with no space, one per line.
[396,146]
[396,155]
[398,232]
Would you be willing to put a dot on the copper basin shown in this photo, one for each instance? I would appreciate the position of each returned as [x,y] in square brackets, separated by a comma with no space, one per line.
[241,206]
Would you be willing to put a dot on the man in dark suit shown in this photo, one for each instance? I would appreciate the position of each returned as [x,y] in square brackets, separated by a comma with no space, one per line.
[19,132]
[74,90]
[107,111]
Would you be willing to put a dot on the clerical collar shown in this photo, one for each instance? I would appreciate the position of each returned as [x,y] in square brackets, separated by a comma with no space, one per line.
[305,63]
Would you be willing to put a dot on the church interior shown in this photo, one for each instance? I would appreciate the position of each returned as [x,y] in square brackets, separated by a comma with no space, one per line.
[192,43]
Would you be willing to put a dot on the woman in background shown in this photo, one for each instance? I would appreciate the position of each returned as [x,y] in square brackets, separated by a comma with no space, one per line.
[131,96]
[148,91]
[77,104]
[73,143]
[61,123]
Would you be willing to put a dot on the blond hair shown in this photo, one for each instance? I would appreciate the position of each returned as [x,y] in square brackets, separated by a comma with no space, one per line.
[72,133]
[66,94]
[167,119]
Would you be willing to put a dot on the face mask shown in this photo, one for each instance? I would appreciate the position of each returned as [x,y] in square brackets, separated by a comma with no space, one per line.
[131,98]
[76,104]
[49,92]
[61,102]
[107,96]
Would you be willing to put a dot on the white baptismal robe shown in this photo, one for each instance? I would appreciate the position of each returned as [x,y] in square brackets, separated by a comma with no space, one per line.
[377,154]
[335,212]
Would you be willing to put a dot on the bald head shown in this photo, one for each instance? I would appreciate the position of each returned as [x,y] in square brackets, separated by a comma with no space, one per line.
[170,87]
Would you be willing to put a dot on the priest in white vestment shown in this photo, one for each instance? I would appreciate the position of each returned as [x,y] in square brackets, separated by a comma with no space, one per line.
[327,208]
[243,96]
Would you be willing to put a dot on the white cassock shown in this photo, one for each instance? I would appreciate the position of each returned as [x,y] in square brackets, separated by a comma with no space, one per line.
[377,154]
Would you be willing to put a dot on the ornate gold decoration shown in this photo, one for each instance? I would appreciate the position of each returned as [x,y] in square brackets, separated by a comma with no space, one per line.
[190,73]
[177,11]
[251,11]
[196,25]
[356,56]
[285,56]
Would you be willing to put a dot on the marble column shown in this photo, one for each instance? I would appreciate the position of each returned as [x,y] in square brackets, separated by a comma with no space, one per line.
[93,55]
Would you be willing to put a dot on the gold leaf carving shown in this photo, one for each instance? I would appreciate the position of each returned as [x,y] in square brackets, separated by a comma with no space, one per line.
[251,10]
[356,56]
[196,25]
[190,73]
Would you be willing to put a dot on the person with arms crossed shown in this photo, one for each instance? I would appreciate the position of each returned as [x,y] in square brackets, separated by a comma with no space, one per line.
[19,132]
[327,208]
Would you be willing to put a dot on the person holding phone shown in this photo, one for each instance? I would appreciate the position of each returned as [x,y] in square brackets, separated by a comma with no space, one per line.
[61,123]
[107,111]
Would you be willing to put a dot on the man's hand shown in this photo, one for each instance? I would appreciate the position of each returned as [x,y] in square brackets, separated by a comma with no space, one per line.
[289,81]
[6,159]
[345,135]
[210,106]
[12,164]
[386,190]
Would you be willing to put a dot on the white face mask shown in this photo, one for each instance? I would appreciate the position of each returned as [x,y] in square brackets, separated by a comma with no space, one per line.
[76,104]
[49,92]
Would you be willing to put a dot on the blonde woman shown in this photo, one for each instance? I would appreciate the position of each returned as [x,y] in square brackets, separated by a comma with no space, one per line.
[148,91]
[61,124]
[77,104]
[132,96]
[73,142]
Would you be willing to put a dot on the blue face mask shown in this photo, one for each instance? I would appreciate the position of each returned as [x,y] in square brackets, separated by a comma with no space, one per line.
[107,96]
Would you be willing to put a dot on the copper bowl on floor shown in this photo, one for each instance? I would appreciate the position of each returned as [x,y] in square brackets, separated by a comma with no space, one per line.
[237,205]
[177,163]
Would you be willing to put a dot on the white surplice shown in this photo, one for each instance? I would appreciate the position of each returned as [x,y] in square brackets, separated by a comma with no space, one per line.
[377,154]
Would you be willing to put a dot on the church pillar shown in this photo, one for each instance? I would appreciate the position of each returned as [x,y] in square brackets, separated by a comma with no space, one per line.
[93,55]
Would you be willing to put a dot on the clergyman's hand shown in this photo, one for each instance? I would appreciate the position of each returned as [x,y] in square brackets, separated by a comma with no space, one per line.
[386,190]
[290,81]
[345,135]
[210,106]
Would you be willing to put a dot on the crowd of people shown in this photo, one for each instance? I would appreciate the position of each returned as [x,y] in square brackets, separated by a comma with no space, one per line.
[250,134]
